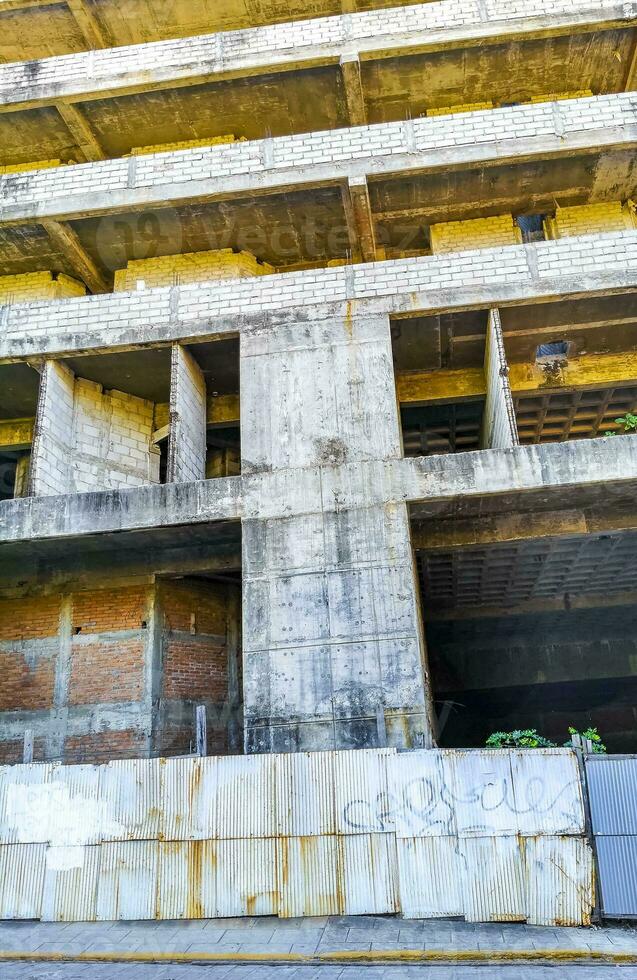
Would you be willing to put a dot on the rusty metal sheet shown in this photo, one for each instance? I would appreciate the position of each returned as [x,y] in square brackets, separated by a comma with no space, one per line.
[547,791]
[495,884]
[305,803]
[70,884]
[127,881]
[245,797]
[560,881]
[21,880]
[422,790]
[130,795]
[308,882]
[485,803]
[180,782]
[363,805]
[368,874]
[180,879]
[24,804]
[430,877]
[246,877]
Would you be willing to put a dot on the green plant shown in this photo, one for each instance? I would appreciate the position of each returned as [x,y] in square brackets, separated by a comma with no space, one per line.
[628,423]
[593,736]
[519,739]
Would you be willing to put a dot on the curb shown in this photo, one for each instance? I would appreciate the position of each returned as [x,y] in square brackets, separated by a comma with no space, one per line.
[344,957]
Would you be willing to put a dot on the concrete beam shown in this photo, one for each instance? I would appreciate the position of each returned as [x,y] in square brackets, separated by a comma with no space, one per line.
[496,529]
[352,83]
[88,24]
[66,240]
[222,410]
[287,47]
[360,220]
[561,471]
[532,607]
[580,374]
[16,433]
[77,125]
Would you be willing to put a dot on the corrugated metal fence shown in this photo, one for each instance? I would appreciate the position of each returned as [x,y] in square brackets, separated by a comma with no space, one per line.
[612,789]
[488,835]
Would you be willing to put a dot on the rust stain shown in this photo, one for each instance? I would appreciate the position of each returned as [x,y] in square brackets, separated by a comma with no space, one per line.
[195,880]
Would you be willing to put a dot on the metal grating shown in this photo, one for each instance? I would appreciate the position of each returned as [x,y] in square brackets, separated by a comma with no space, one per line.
[511,573]
[558,416]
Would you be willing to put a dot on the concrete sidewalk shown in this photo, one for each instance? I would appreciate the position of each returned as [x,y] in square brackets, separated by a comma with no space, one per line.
[336,939]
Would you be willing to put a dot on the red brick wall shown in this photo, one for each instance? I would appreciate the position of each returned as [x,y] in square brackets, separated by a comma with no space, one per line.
[104,611]
[23,686]
[195,669]
[107,671]
[103,746]
[25,619]
[11,752]
[187,598]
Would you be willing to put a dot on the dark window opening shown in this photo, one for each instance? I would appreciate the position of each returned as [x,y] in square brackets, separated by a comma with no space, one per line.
[532,227]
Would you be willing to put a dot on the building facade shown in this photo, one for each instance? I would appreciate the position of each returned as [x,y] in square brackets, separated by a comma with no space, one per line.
[318,359]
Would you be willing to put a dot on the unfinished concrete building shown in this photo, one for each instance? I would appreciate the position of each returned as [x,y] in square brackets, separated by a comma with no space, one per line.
[314,334]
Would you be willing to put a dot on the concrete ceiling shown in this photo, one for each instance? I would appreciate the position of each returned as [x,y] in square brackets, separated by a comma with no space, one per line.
[313,99]
[19,386]
[508,574]
[45,28]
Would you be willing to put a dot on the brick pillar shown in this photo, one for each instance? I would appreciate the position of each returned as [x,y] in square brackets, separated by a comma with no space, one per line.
[333,654]
[53,434]
[187,439]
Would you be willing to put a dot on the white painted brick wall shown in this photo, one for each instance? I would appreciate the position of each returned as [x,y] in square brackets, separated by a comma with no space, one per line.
[87,439]
[589,263]
[187,442]
[322,39]
[609,119]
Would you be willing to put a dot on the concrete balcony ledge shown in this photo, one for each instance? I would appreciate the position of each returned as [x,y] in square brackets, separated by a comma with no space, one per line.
[606,122]
[556,475]
[374,34]
[482,277]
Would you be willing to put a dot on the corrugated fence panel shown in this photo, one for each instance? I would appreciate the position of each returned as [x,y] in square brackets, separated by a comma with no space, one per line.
[75,809]
[559,881]
[245,797]
[130,791]
[368,871]
[308,876]
[422,789]
[179,880]
[361,789]
[485,804]
[305,803]
[21,880]
[127,883]
[180,780]
[246,877]
[430,877]
[70,884]
[548,793]
[612,785]
[495,879]
[617,860]
[24,804]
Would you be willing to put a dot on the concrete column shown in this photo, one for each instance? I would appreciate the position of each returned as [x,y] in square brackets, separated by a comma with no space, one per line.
[499,426]
[333,655]
[187,439]
[53,434]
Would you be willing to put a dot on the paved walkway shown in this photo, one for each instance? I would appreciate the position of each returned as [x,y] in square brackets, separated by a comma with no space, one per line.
[323,940]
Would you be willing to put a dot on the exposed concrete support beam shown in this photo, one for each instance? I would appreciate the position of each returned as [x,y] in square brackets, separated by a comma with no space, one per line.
[81,132]
[360,219]
[631,78]
[65,239]
[433,536]
[499,428]
[16,433]
[223,410]
[532,607]
[88,24]
[587,372]
[353,85]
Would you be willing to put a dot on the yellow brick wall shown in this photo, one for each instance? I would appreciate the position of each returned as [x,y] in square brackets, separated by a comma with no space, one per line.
[450,110]
[191,267]
[139,151]
[556,96]
[19,168]
[38,285]
[591,219]
[455,236]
